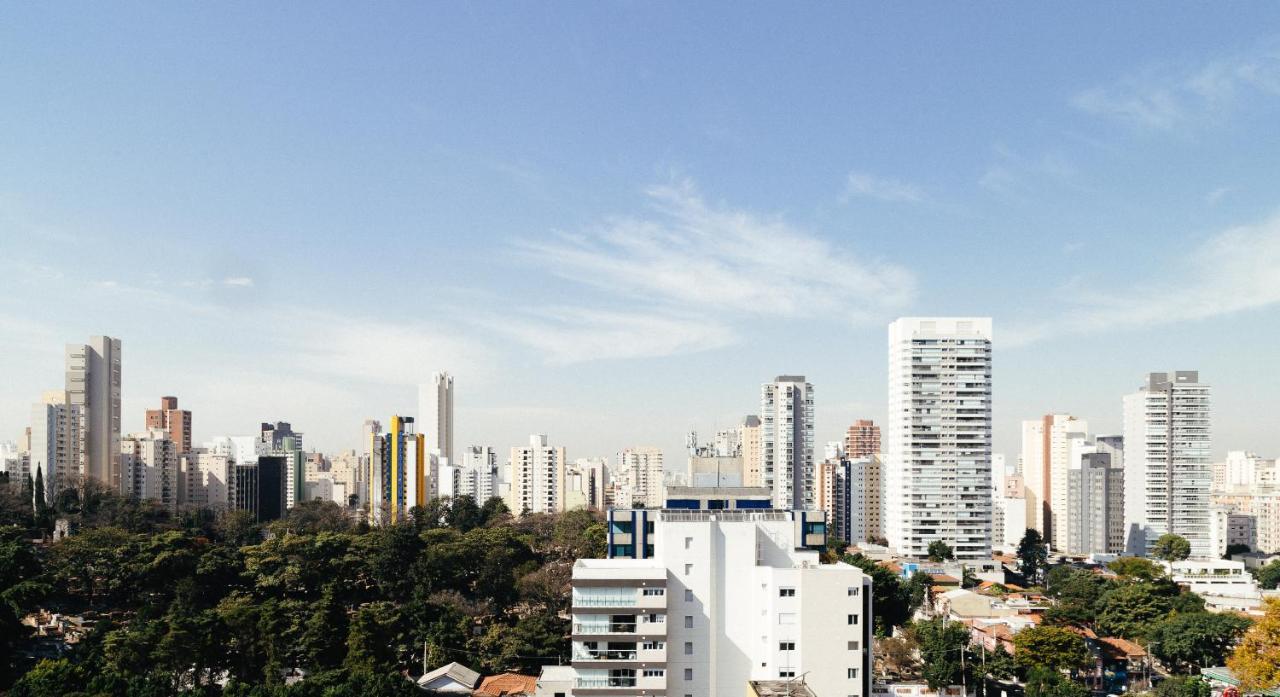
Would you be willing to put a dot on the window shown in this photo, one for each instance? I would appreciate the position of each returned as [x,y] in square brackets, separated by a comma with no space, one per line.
[655,591]
[688,569]
[853,646]
[559,694]
[688,674]
[786,592]
[688,648]
[853,591]
[688,595]
[688,621]
[786,618]
[655,672]
[853,673]
[688,543]
[786,673]
[653,646]
[786,646]
[657,619]
[853,619]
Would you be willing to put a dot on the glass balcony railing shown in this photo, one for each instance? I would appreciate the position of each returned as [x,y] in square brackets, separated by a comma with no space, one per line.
[604,628]
[616,655]
[600,683]
[604,600]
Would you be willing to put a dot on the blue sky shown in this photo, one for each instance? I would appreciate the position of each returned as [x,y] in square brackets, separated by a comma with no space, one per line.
[613,221]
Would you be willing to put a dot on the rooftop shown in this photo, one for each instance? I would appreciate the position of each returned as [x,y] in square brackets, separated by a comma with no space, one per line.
[780,688]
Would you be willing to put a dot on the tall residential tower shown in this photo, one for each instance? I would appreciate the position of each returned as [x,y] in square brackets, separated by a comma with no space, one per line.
[93,386]
[786,442]
[435,414]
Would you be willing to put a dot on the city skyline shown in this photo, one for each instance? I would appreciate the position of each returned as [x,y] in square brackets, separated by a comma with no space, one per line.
[619,285]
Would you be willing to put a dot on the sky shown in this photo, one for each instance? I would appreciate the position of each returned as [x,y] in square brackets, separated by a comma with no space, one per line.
[612,221]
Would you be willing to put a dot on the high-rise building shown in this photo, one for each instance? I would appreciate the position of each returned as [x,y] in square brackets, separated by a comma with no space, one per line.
[862,439]
[938,471]
[177,422]
[842,493]
[673,619]
[749,441]
[874,491]
[478,474]
[585,482]
[210,473]
[93,385]
[1047,445]
[397,471]
[1243,471]
[149,468]
[1094,515]
[786,442]
[260,487]
[642,487]
[56,448]
[1010,507]
[537,477]
[435,415]
[1167,462]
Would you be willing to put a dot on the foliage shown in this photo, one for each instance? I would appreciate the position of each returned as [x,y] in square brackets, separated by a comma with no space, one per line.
[1256,660]
[890,603]
[1186,642]
[1129,610]
[1136,568]
[1033,556]
[1171,547]
[941,645]
[1183,686]
[939,551]
[1053,648]
[917,591]
[1269,575]
[1236,548]
[897,656]
[1042,682]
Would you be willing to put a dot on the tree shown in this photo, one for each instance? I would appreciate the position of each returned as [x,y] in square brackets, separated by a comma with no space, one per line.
[942,644]
[323,634]
[1033,556]
[940,551]
[897,656]
[968,579]
[1130,610]
[1256,660]
[1136,568]
[1269,575]
[917,591]
[1042,682]
[1171,547]
[890,605]
[1183,686]
[1236,548]
[1052,648]
[1186,642]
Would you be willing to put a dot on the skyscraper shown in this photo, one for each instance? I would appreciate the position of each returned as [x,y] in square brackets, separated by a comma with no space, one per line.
[478,475]
[93,385]
[862,439]
[749,440]
[938,474]
[1047,446]
[537,477]
[1167,463]
[435,414]
[149,469]
[174,420]
[1094,518]
[56,451]
[786,442]
[397,470]
[644,477]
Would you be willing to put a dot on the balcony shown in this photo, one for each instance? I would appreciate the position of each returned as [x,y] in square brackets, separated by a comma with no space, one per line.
[605,628]
[605,655]
[603,683]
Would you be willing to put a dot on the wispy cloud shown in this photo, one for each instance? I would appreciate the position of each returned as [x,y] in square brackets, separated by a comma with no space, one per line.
[1213,197]
[1168,99]
[574,335]
[1232,271]
[866,185]
[1011,172]
[238,282]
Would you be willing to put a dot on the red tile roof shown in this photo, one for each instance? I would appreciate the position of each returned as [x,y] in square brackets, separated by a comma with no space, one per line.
[507,684]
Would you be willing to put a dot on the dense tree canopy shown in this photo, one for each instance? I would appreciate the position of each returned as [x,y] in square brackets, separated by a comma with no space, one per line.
[1187,642]
[1033,556]
[1052,648]
[1256,661]
[1171,547]
[183,603]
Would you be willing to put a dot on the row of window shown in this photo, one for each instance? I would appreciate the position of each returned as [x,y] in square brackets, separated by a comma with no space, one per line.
[791,592]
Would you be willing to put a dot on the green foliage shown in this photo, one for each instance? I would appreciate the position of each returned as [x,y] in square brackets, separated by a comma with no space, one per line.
[1183,686]
[1268,576]
[1052,648]
[1033,556]
[917,591]
[941,645]
[1136,568]
[1042,682]
[891,605]
[1171,547]
[939,551]
[1131,609]
[1236,548]
[1186,642]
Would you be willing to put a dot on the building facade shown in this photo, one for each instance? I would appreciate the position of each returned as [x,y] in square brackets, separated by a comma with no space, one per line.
[93,387]
[537,472]
[149,468]
[938,469]
[786,442]
[1046,460]
[862,439]
[435,415]
[1168,470]
[175,421]
[644,471]
[752,455]
[1095,507]
[397,471]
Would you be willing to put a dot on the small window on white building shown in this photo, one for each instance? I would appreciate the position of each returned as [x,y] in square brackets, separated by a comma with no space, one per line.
[786,592]
[688,648]
[655,591]
[688,595]
[786,673]
[853,646]
[786,646]
[853,590]
[786,618]
[688,621]
[655,673]
[688,569]
[688,674]
[653,646]
[688,543]
[853,619]
[853,673]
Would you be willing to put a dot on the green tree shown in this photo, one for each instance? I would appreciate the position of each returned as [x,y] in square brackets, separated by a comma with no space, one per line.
[50,678]
[1136,568]
[1033,556]
[1183,686]
[493,509]
[890,605]
[1269,575]
[941,645]
[323,635]
[1236,548]
[917,591]
[1186,642]
[1042,682]
[1132,609]
[1256,660]
[1052,648]
[1171,547]
[940,551]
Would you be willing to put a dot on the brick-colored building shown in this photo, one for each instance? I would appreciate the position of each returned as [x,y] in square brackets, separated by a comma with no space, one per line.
[176,422]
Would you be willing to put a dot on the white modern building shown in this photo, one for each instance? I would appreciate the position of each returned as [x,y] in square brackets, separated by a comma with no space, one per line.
[938,468]
[435,414]
[537,477]
[478,474]
[643,472]
[1167,462]
[697,602]
[149,468]
[786,442]
[93,385]
[210,475]
[57,445]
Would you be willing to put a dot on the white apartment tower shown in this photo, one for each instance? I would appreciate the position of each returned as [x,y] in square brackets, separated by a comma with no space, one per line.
[56,443]
[435,414]
[717,598]
[1168,470]
[93,385]
[644,469]
[149,468]
[938,468]
[786,442]
[537,477]
[478,474]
